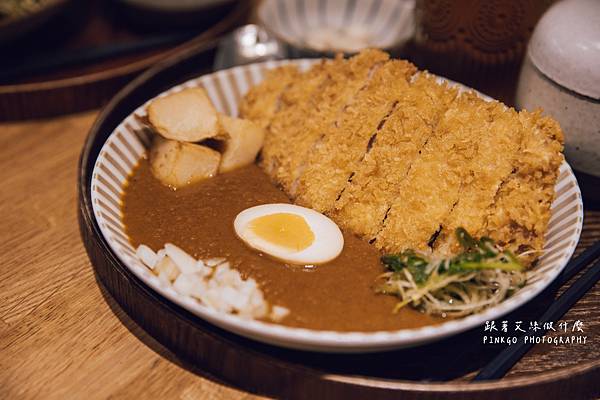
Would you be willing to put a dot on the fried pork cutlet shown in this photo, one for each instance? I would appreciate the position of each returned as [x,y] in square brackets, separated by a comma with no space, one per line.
[295,103]
[262,101]
[337,156]
[307,106]
[497,145]
[433,185]
[343,82]
[402,161]
[368,196]
[520,213]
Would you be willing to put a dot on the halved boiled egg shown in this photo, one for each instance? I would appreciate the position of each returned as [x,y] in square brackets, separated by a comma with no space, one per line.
[291,233]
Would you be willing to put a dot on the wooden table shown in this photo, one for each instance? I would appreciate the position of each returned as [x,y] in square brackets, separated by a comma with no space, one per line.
[61,335]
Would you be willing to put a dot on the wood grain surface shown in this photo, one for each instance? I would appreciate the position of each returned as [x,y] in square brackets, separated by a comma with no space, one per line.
[85,86]
[61,334]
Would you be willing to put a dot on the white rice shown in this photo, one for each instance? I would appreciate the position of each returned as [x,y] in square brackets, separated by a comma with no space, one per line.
[148,257]
[212,282]
[184,262]
[211,262]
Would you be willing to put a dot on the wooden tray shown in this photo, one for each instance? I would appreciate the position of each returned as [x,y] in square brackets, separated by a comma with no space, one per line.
[90,85]
[439,371]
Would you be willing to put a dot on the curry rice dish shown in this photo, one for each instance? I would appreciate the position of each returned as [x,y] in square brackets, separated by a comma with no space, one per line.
[398,160]
[401,160]
[334,296]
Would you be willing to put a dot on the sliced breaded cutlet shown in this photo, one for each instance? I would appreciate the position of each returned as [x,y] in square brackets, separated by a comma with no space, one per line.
[434,183]
[402,161]
[369,194]
[343,82]
[520,213]
[498,149]
[295,103]
[338,155]
[262,101]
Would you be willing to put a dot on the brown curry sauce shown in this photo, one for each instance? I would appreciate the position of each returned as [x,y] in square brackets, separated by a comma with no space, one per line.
[337,296]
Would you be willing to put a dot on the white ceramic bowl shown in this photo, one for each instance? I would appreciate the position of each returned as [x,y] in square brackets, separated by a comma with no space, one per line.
[326,26]
[127,144]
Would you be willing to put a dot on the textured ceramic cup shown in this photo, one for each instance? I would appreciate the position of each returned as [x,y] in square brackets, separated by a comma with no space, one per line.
[561,74]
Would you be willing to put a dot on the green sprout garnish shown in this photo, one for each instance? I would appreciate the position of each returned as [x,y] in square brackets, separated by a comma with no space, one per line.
[456,285]
[476,255]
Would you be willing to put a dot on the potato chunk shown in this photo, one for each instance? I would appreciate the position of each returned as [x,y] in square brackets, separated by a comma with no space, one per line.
[178,164]
[188,116]
[244,139]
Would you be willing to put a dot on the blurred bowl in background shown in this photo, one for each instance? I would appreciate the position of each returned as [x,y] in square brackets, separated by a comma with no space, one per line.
[316,27]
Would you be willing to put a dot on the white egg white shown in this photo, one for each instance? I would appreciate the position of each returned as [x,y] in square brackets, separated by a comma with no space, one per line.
[327,245]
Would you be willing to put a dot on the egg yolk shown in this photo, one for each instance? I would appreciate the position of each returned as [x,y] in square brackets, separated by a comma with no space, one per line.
[283,229]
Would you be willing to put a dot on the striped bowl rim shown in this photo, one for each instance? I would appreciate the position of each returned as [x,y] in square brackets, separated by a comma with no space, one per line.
[389,23]
[128,143]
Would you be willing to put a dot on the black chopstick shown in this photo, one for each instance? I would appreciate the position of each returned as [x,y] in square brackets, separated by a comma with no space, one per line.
[508,357]
[578,263]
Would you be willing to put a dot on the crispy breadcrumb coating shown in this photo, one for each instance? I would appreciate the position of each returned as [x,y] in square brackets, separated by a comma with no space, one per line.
[262,101]
[369,194]
[519,216]
[336,157]
[497,145]
[342,84]
[402,161]
[295,103]
[434,182]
